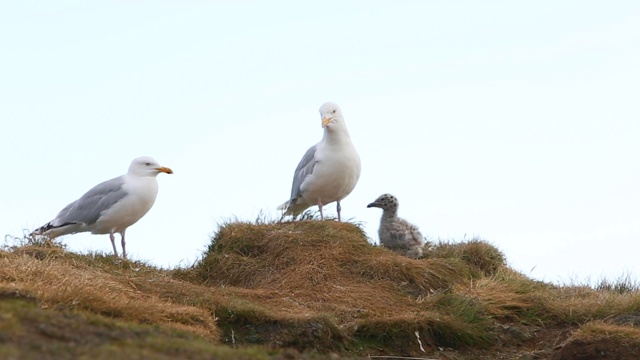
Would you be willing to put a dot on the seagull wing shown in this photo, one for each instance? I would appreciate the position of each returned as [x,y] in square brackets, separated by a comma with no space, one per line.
[304,169]
[88,208]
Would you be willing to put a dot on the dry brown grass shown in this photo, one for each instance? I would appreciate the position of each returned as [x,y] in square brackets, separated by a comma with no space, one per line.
[599,329]
[600,340]
[319,285]
[64,280]
[329,270]
[581,304]
[325,266]
[483,258]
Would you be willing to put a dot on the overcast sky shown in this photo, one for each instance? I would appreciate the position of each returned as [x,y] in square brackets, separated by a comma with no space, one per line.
[515,122]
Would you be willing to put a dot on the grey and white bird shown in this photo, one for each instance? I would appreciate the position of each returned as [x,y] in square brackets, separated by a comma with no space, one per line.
[111,206]
[328,171]
[396,233]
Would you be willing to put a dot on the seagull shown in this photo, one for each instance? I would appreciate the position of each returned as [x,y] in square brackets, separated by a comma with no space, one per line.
[396,233]
[112,206]
[328,171]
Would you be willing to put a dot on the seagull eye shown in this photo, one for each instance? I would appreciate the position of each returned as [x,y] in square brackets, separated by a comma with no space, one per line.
[147,164]
[334,111]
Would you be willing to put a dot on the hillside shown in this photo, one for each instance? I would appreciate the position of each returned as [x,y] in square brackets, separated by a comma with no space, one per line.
[304,290]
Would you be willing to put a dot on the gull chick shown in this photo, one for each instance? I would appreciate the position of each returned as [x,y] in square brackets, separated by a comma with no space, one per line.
[111,206]
[396,233]
[328,171]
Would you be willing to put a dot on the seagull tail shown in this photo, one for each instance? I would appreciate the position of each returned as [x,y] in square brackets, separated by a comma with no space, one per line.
[53,231]
[293,208]
[284,206]
[42,229]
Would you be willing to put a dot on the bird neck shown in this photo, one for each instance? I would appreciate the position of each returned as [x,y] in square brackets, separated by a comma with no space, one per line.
[389,214]
[336,135]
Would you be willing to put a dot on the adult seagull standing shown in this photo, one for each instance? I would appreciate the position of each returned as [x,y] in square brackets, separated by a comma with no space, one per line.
[112,206]
[328,171]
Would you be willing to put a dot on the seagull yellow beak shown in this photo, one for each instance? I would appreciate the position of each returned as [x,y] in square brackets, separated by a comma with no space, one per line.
[325,122]
[165,170]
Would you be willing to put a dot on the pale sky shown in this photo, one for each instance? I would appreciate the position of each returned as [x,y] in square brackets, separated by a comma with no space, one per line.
[515,122]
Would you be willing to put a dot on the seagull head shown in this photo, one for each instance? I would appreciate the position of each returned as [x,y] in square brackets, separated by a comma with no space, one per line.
[330,113]
[147,166]
[385,202]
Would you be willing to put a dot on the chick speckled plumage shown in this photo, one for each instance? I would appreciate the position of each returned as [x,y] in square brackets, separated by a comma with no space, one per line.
[396,233]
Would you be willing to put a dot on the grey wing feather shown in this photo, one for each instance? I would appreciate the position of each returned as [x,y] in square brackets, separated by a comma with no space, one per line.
[89,207]
[304,169]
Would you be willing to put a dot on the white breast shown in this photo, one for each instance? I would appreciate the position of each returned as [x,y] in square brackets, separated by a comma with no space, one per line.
[334,176]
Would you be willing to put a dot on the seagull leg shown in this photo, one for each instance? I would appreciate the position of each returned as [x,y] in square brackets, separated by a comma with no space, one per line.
[338,208]
[320,207]
[124,252]
[113,243]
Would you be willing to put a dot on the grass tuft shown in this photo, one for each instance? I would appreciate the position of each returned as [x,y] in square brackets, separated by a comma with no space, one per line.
[623,284]
[481,256]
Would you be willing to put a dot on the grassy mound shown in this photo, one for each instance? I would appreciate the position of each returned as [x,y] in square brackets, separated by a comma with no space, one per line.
[302,290]
[368,296]
[321,262]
